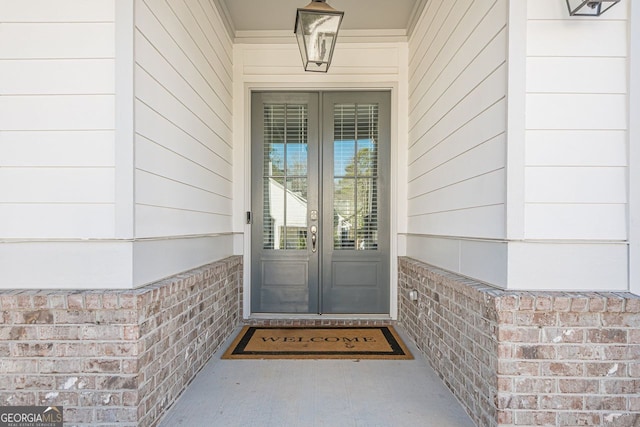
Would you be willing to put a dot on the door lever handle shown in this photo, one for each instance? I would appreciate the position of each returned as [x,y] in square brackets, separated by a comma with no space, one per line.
[314,237]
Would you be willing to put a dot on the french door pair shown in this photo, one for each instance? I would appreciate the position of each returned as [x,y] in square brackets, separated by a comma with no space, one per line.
[320,202]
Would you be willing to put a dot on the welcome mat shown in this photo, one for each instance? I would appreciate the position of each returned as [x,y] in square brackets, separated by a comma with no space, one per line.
[341,342]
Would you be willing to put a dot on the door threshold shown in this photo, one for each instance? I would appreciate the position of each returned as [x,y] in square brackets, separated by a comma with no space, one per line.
[304,316]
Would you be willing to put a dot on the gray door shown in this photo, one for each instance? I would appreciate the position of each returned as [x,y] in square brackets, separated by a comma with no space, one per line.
[320,202]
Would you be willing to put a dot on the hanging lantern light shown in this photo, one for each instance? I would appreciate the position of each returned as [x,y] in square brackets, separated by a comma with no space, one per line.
[589,7]
[316,29]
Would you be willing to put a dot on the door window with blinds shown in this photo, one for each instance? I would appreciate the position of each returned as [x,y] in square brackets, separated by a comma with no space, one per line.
[355,195]
[320,202]
[285,176]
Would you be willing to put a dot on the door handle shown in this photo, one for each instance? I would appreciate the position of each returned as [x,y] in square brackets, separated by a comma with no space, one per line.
[314,237]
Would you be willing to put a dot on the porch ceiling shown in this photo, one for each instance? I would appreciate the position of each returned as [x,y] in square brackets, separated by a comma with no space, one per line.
[278,15]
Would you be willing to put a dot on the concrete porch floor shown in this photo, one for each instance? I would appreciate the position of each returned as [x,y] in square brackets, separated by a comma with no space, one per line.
[306,393]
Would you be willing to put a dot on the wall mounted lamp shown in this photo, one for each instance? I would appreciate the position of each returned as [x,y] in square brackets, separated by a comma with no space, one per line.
[316,29]
[589,7]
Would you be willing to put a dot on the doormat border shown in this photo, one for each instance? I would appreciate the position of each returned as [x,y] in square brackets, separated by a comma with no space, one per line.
[399,350]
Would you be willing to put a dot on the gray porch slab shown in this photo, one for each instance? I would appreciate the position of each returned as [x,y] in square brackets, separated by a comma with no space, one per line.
[316,393]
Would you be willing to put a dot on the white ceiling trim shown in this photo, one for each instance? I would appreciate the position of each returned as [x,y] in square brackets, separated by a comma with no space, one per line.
[416,14]
[345,36]
[225,15]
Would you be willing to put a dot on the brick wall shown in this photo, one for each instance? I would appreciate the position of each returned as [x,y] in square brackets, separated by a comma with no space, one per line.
[115,357]
[454,324]
[527,358]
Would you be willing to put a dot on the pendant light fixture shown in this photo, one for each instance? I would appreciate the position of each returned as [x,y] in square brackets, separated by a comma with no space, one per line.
[589,7]
[316,30]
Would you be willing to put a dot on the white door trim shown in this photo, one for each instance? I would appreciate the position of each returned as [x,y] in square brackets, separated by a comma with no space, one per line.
[242,157]
[634,148]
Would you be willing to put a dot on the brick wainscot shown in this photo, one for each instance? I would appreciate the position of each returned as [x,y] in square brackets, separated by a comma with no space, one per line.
[115,356]
[527,358]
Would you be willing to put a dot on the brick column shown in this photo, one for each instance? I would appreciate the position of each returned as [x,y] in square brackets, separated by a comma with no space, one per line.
[115,357]
[527,358]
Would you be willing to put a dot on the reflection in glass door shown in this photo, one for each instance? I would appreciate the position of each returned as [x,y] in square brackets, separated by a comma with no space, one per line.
[285,176]
[355,174]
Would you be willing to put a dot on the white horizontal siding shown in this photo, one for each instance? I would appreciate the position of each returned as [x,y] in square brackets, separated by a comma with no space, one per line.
[152,95]
[576,185]
[155,159]
[576,111]
[219,40]
[183,107]
[56,148]
[488,92]
[56,41]
[450,96]
[576,75]
[47,77]
[164,192]
[150,220]
[55,221]
[57,119]
[57,185]
[461,222]
[194,80]
[482,260]
[57,112]
[63,11]
[565,202]
[160,258]
[457,124]
[209,48]
[428,40]
[576,38]
[576,125]
[58,152]
[440,61]
[66,265]
[105,264]
[482,190]
[152,126]
[568,266]
[486,156]
[565,221]
[576,148]
[39,202]
[484,127]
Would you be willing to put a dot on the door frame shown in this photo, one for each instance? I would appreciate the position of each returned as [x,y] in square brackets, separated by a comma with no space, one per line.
[243,174]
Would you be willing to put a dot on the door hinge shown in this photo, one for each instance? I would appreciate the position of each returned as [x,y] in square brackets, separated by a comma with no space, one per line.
[249,218]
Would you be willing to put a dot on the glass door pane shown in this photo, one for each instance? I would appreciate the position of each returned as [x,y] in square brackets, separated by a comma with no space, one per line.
[356,162]
[285,176]
[355,171]
[284,180]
